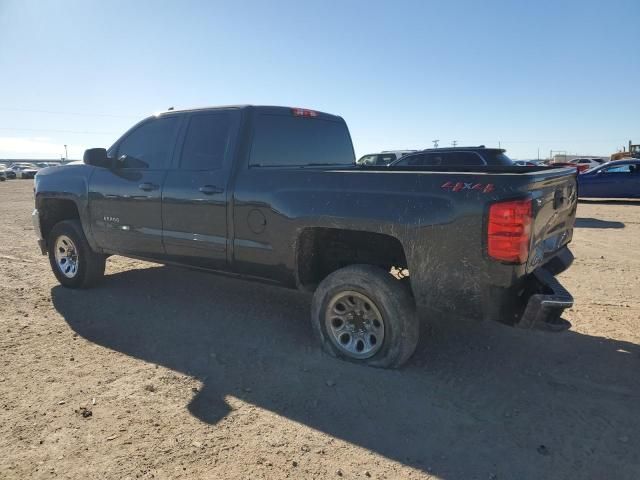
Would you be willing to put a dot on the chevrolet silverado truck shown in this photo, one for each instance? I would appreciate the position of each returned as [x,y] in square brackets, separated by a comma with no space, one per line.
[274,194]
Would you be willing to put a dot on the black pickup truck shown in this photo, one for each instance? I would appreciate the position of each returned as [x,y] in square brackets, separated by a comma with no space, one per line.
[273,194]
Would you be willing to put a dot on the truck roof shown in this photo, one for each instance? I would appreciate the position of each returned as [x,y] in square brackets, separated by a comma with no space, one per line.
[458,149]
[273,109]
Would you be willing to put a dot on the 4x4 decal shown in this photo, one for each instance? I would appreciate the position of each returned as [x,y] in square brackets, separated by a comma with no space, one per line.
[458,186]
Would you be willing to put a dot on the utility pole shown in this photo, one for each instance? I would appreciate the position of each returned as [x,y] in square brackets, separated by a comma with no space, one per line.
[454,143]
[435,143]
[66,155]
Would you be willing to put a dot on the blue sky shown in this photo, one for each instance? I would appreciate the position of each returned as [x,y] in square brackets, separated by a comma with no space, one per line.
[561,75]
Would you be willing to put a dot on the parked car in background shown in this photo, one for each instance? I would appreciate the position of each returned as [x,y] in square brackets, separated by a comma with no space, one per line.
[579,168]
[455,156]
[3,175]
[524,163]
[586,163]
[24,170]
[47,164]
[383,158]
[617,179]
[8,173]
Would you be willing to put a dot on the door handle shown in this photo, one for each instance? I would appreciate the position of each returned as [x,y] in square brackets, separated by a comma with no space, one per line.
[210,189]
[147,186]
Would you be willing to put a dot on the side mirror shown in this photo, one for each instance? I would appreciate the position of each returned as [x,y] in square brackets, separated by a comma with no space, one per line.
[96,157]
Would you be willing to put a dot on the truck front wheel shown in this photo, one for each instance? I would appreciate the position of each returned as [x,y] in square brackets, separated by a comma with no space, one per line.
[362,314]
[73,262]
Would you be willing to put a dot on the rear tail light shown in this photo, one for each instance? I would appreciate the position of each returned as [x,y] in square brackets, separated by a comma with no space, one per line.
[509,231]
[303,112]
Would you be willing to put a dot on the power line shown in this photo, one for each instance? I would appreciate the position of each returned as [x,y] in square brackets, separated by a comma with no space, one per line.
[83,114]
[56,131]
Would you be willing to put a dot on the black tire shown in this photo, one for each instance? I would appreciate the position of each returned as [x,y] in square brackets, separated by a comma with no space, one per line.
[90,265]
[392,299]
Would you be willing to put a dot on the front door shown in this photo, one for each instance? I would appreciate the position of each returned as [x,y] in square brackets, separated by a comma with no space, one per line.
[195,195]
[125,201]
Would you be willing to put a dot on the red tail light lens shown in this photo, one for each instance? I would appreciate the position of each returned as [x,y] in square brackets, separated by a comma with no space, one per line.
[509,231]
[303,112]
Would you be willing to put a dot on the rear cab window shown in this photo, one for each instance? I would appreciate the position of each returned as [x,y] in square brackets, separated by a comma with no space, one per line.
[288,140]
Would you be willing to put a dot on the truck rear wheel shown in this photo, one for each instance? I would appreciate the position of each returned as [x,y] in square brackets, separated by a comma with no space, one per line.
[73,262]
[362,314]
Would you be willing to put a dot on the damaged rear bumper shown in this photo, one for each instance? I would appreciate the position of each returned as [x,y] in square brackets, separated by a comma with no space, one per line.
[537,301]
[544,307]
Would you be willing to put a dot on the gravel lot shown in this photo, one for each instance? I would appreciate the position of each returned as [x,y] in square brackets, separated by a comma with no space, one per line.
[167,373]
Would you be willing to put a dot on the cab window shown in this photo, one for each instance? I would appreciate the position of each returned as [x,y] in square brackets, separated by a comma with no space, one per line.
[208,141]
[150,146]
[285,140]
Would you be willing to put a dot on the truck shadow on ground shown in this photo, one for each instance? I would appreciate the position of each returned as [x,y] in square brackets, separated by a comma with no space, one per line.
[597,223]
[609,201]
[476,401]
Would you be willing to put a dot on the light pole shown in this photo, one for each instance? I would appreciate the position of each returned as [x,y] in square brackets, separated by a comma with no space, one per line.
[66,155]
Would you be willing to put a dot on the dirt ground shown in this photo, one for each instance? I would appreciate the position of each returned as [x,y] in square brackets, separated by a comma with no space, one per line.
[168,373]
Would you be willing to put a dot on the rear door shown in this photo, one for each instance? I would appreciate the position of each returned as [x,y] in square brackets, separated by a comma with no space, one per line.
[195,195]
[125,201]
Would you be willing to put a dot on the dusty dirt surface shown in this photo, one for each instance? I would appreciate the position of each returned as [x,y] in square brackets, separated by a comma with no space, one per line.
[168,373]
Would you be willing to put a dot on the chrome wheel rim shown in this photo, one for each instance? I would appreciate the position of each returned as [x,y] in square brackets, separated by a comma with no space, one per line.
[354,324]
[66,255]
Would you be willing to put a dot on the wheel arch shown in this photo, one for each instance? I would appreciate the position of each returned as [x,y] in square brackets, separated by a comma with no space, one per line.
[52,210]
[321,251]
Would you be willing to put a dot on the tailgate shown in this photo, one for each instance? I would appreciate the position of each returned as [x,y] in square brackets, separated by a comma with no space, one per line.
[555,199]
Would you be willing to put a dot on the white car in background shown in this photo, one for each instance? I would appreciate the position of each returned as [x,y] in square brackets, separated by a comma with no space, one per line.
[24,170]
[590,162]
[383,158]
